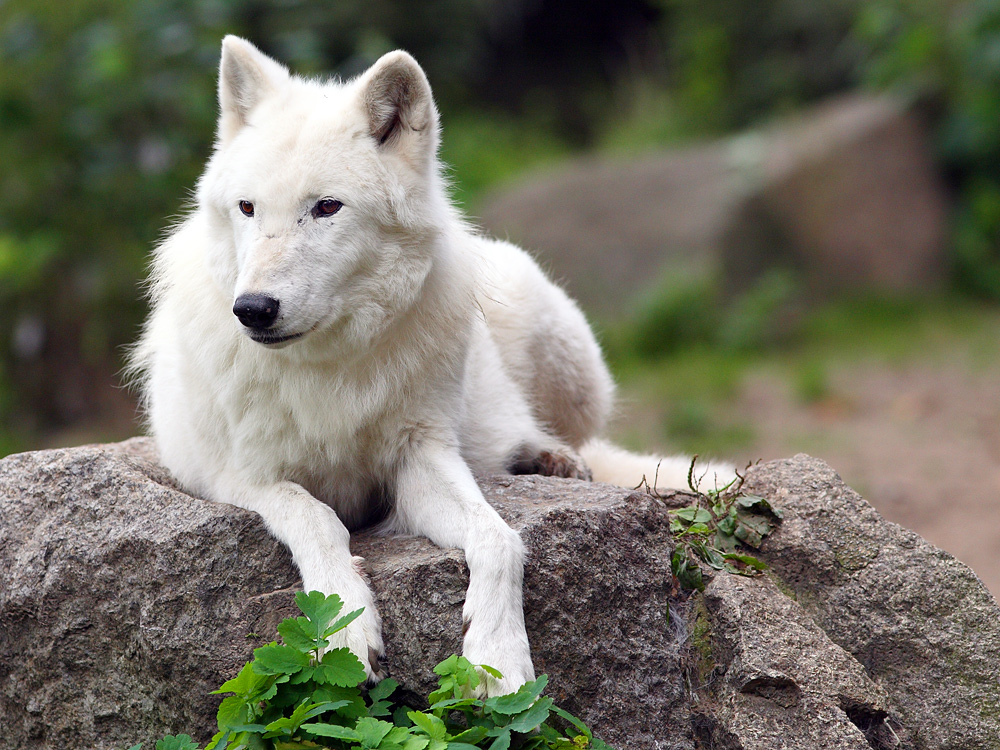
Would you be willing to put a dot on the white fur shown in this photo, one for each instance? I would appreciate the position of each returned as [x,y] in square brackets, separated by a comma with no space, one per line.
[424,352]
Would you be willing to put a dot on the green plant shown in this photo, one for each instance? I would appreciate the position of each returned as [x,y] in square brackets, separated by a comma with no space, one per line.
[301,694]
[716,527]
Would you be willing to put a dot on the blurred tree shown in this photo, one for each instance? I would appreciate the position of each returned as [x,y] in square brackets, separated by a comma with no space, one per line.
[946,54]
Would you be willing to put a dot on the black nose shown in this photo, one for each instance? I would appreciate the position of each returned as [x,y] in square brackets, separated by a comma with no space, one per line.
[257,311]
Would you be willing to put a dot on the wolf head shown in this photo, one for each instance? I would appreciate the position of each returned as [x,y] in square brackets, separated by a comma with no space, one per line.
[323,199]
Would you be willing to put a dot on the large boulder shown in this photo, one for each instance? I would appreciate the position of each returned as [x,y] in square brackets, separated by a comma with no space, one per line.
[845,196]
[124,601]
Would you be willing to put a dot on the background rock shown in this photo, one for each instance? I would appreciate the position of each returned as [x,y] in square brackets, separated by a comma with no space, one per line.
[846,196]
[123,602]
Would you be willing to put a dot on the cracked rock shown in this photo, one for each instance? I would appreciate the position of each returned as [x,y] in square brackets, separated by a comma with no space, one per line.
[125,601]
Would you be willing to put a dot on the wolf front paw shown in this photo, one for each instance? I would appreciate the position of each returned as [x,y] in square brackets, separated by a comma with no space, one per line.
[509,655]
[363,636]
[550,462]
[514,673]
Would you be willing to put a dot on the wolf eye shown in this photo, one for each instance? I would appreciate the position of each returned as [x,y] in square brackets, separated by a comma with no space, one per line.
[326,207]
[247,208]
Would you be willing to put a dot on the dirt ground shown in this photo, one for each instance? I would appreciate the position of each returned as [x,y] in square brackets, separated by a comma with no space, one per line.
[919,440]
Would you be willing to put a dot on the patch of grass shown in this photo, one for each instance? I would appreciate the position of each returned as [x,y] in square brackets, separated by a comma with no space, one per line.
[720,529]
[811,380]
[697,426]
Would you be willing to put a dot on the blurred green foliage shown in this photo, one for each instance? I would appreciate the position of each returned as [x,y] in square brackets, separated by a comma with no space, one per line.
[107,110]
[947,54]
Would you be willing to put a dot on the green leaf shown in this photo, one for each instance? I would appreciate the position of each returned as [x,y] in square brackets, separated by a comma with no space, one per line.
[416,743]
[698,528]
[399,735]
[302,676]
[567,716]
[379,694]
[255,728]
[709,555]
[136,747]
[502,742]
[301,634]
[761,524]
[748,535]
[727,525]
[232,710]
[286,725]
[748,560]
[332,730]
[354,707]
[757,504]
[246,683]
[340,667]
[246,741]
[382,690]
[491,671]
[319,608]
[372,731]
[275,659]
[220,740]
[687,571]
[514,703]
[450,704]
[693,514]
[447,666]
[399,717]
[429,724]
[472,735]
[343,622]
[528,720]
[177,742]
[725,542]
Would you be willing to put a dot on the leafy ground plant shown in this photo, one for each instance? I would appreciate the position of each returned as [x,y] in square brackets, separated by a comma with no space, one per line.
[717,529]
[299,694]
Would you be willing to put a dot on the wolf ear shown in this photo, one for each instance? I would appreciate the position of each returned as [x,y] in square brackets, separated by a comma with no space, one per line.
[398,104]
[246,77]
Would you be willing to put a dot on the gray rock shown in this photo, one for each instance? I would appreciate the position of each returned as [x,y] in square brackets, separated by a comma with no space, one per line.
[607,228]
[124,601]
[921,623]
[845,196]
[774,679]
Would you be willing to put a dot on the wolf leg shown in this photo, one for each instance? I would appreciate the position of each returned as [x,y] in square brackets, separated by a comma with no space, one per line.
[319,543]
[437,497]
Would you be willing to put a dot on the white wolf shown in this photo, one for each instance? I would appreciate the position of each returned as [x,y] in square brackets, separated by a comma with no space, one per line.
[331,346]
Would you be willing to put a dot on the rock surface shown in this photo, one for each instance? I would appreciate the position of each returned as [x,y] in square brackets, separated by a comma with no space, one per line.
[123,602]
[845,196]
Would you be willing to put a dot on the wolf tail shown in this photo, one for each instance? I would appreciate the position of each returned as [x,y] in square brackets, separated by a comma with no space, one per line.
[615,465]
